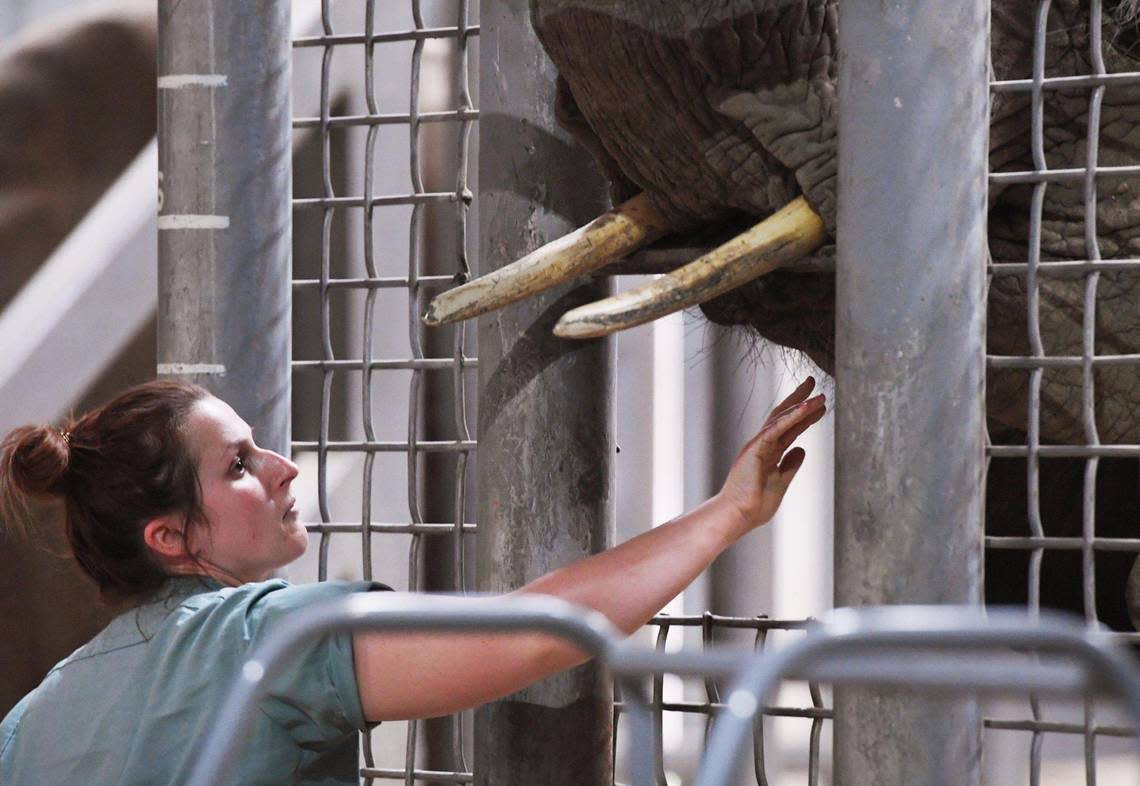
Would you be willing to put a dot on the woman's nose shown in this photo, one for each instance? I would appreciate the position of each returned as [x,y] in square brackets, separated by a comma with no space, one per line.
[287,468]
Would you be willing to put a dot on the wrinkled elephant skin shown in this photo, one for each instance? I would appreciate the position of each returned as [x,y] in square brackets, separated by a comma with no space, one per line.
[722,112]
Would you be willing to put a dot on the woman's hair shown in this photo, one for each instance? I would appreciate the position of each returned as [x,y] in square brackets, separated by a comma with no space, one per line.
[115,469]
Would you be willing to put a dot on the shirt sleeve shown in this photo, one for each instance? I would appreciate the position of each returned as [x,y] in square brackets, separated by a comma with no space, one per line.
[314,694]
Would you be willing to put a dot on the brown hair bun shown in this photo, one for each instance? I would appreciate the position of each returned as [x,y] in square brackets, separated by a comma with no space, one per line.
[116,468]
[35,459]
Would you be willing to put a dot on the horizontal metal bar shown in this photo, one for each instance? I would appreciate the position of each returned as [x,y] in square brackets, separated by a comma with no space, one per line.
[1066,544]
[751,623]
[390,528]
[708,708]
[391,119]
[419,775]
[389,282]
[1120,637]
[1062,175]
[907,647]
[419,364]
[586,629]
[382,201]
[1060,361]
[1067,82]
[383,38]
[1065,451]
[388,447]
[1076,267]
[1057,727]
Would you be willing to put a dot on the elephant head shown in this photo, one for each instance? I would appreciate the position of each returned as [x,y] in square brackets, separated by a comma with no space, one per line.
[709,116]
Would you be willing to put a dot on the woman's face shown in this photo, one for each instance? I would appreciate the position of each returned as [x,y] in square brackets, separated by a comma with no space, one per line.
[252,519]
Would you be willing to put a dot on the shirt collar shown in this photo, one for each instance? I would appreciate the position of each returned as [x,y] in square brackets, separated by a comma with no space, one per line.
[178,588]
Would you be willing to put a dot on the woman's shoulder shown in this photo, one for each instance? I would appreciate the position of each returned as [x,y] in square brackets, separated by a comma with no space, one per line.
[255,605]
[279,591]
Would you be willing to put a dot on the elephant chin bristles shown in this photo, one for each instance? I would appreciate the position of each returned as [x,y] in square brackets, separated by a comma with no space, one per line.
[607,238]
[789,234]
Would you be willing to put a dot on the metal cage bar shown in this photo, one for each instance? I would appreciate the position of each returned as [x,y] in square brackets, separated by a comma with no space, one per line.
[224,220]
[351,363]
[910,310]
[546,432]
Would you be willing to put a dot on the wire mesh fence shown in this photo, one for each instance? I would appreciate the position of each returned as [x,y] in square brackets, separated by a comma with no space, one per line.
[388,215]
[382,410]
[693,707]
[1067,467]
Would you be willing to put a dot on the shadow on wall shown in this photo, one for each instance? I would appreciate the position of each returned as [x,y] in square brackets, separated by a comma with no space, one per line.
[74,118]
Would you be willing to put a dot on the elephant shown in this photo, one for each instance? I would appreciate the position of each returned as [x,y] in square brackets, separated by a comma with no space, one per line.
[73,119]
[709,116]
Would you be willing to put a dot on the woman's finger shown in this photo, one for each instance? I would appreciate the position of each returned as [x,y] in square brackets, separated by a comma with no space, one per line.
[792,461]
[800,426]
[770,441]
[795,397]
[787,469]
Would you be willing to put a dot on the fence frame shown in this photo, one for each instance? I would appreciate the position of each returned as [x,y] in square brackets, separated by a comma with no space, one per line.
[910,309]
[847,645]
[225,213]
[546,411]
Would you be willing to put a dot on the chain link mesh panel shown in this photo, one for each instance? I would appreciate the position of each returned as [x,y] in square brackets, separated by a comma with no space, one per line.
[390,208]
[363,283]
[1062,167]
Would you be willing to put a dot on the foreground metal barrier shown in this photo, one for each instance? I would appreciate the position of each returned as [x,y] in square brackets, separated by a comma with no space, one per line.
[944,649]
[587,629]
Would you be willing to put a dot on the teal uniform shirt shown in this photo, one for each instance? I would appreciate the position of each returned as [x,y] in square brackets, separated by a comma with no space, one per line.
[132,705]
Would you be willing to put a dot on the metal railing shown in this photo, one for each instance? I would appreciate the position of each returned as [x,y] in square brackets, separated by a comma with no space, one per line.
[940,649]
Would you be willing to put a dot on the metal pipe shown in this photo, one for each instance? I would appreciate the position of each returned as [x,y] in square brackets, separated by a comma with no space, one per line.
[944,650]
[910,357]
[586,629]
[546,435]
[224,217]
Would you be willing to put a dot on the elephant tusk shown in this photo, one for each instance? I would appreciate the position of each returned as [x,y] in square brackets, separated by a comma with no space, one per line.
[792,232]
[608,237]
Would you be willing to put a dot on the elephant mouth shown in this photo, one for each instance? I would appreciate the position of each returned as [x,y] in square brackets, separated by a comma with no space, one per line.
[782,240]
[790,308]
[793,307]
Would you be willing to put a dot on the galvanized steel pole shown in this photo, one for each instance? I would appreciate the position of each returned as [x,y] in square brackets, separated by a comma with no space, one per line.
[913,140]
[224,216]
[546,436]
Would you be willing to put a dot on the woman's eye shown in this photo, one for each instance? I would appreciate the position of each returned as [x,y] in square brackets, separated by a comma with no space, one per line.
[238,467]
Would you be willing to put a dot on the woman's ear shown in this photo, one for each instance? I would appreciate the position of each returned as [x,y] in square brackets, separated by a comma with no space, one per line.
[165,536]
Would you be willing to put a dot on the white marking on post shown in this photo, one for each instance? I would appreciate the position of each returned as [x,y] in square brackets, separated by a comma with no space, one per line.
[190,221]
[179,81]
[191,368]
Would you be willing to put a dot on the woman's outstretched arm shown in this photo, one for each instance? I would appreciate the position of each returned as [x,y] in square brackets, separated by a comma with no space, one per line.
[413,675]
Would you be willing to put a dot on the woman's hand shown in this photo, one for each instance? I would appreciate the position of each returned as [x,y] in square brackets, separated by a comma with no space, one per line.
[762,471]
[417,675]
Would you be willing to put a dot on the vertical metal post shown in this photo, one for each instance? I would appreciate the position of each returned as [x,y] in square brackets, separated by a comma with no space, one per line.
[225,168]
[910,357]
[546,431]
